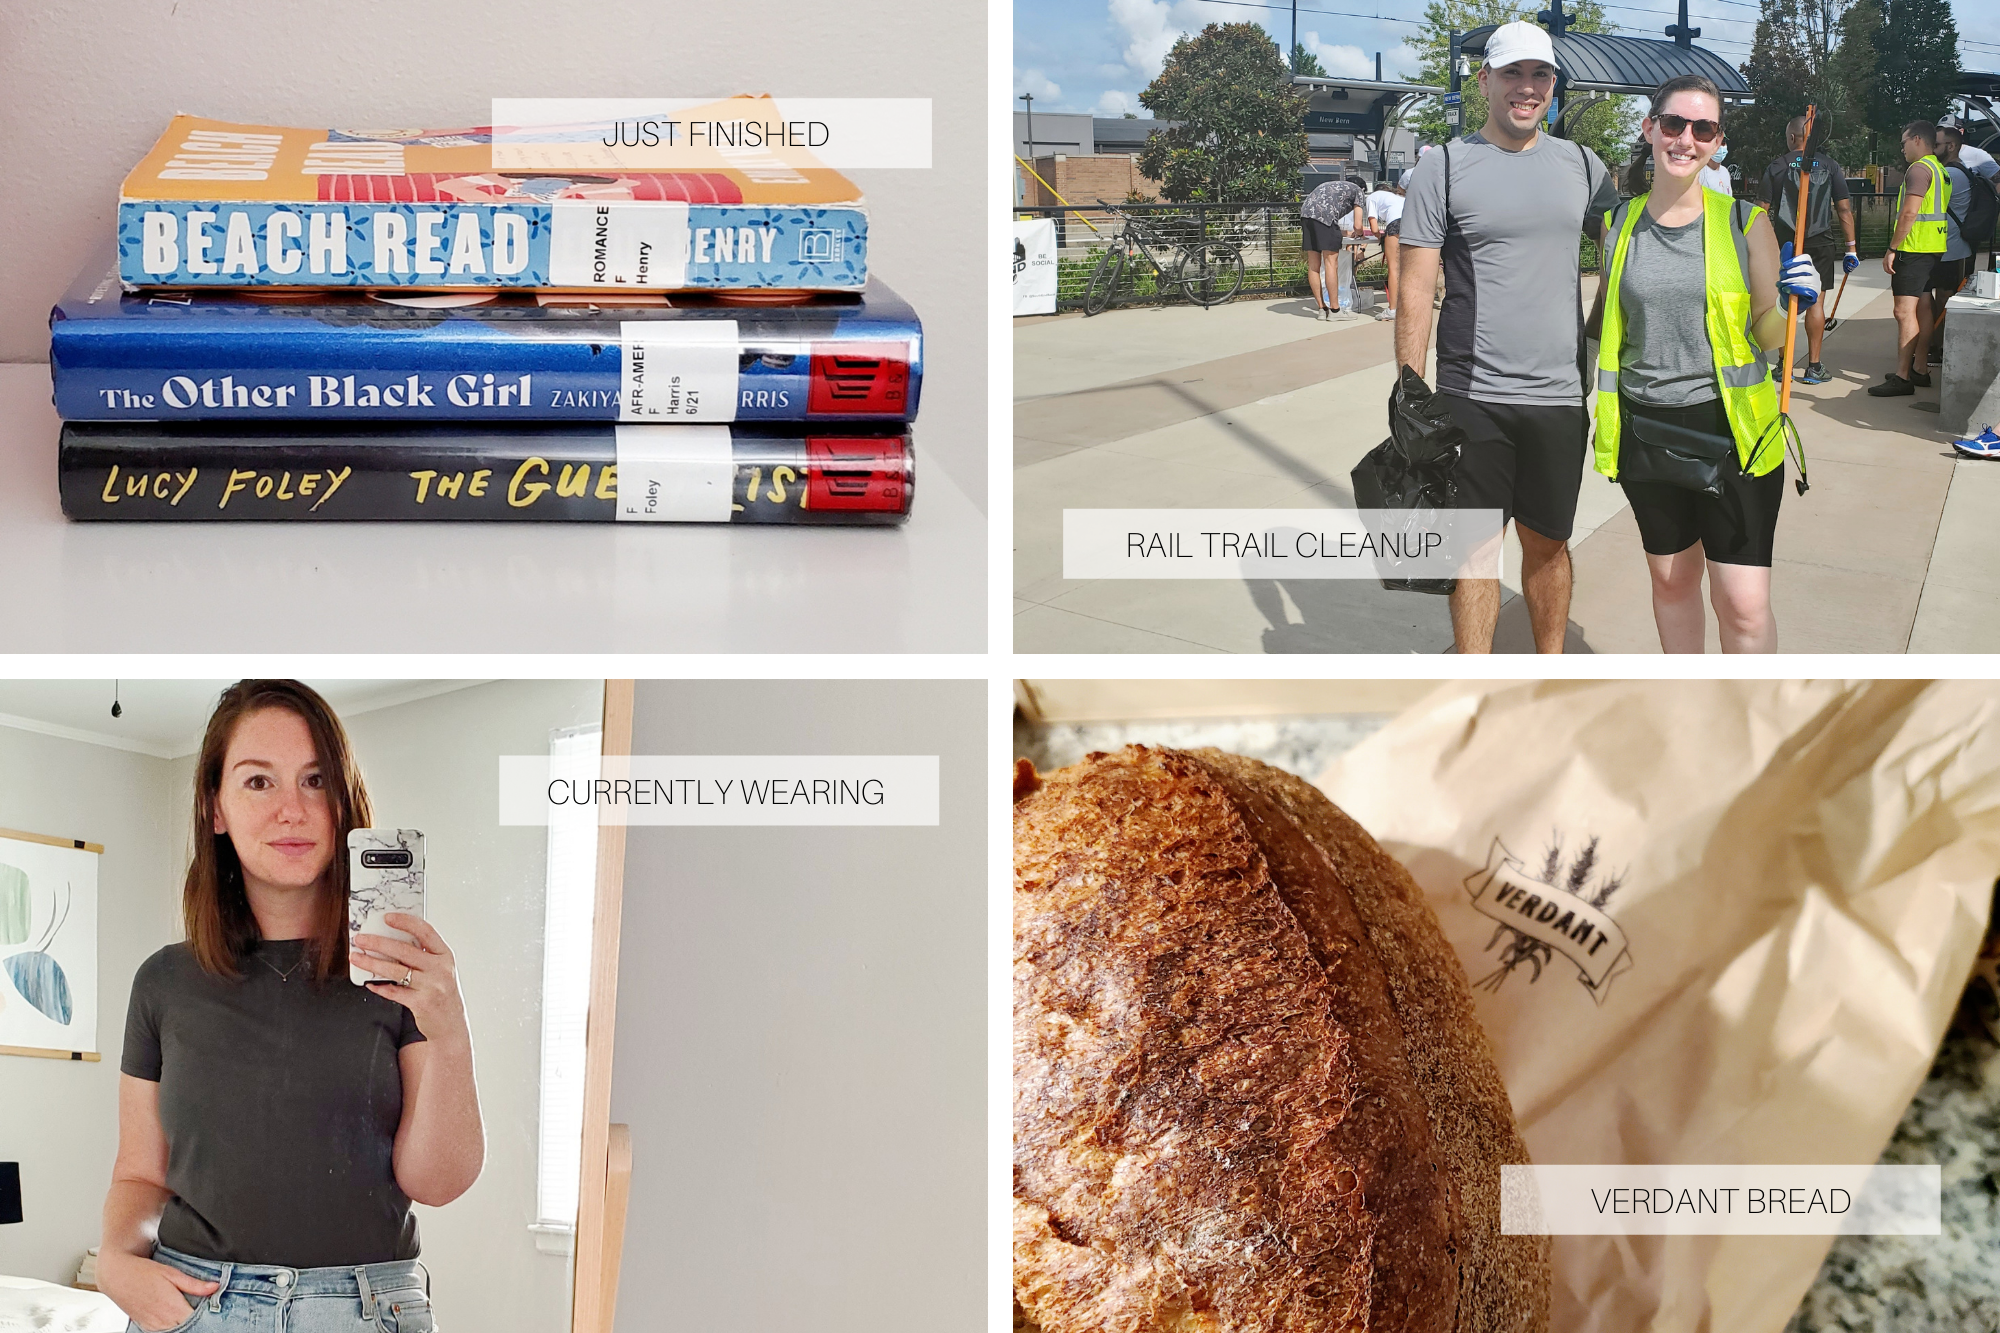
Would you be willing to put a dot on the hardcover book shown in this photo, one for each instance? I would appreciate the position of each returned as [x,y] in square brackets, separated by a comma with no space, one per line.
[260,355]
[642,473]
[217,204]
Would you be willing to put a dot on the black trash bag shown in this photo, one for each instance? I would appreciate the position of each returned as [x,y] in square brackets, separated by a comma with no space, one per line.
[1415,469]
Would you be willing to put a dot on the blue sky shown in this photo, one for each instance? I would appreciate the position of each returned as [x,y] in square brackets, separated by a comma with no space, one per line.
[1098,55]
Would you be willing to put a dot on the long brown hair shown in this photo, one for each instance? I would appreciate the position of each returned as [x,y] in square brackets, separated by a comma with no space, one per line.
[215,909]
[1642,151]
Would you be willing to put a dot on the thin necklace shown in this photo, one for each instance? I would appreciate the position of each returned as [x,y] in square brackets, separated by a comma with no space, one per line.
[284,974]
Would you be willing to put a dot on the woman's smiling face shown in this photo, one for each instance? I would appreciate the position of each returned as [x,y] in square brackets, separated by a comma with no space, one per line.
[1682,155]
[273,801]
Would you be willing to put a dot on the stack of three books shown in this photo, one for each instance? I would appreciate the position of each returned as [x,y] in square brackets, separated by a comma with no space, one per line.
[328,325]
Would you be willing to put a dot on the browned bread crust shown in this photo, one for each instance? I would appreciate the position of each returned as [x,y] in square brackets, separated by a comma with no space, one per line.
[1250,1092]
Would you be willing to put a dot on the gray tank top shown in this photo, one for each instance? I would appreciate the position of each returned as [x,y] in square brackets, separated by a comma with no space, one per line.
[1666,360]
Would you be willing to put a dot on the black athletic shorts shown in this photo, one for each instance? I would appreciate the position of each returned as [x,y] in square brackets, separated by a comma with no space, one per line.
[1320,235]
[1737,529]
[1826,253]
[1913,273]
[1526,460]
[1394,228]
[1947,276]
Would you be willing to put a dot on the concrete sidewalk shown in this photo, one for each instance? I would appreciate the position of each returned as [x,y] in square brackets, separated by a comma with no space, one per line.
[1260,405]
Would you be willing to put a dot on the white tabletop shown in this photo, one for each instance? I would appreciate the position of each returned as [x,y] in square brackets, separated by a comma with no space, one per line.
[472,587]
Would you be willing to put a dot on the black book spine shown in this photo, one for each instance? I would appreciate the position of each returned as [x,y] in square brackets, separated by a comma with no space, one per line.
[147,472]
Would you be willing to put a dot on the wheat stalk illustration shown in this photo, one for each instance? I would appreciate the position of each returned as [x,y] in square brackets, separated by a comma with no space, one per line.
[1524,950]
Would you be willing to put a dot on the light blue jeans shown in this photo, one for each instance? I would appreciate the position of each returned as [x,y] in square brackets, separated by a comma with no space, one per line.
[258,1298]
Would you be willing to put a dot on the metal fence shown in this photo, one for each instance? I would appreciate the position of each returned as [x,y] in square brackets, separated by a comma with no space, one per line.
[1272,245]
[1267,235]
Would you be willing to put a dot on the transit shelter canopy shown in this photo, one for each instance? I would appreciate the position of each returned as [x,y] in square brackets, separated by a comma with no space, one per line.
[1607,63]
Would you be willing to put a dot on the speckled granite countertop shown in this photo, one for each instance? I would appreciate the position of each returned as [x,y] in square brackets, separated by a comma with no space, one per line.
[1868,1284]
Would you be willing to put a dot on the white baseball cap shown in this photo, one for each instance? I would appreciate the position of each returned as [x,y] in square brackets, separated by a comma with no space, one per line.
[1519,41]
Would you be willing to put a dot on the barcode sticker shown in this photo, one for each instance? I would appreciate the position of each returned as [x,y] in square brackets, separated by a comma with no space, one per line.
[674,474]
[678,370]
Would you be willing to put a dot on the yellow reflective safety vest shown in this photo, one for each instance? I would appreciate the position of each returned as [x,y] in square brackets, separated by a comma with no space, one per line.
[1928,234]
[1741,372]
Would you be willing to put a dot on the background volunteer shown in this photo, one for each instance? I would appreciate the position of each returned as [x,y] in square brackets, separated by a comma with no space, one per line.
[1324,215]
[1915,248]
[1385,210]
[1827,202]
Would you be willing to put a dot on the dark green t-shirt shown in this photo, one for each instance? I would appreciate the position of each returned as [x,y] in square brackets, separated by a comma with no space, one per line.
[280,1100]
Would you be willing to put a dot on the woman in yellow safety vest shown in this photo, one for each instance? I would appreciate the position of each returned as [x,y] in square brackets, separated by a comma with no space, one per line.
[1687,417]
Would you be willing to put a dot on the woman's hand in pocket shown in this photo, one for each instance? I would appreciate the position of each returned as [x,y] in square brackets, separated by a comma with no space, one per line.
[154,1295]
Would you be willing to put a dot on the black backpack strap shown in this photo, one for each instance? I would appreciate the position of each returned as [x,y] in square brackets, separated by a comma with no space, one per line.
[1447,187]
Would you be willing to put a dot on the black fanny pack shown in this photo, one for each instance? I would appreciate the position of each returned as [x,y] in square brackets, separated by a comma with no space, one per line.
[1693,460]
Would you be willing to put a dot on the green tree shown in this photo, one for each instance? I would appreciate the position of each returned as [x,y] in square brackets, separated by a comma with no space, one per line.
[1780,71]
[1306,63]
[1916,61]
[1240,133]
[1606,127]
[1851,86]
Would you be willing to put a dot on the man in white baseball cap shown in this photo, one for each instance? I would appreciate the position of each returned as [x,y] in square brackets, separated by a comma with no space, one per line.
[1501,210]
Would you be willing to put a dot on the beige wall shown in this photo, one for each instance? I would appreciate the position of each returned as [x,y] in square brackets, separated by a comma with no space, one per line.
[429,765]
[59,1118]
[89,85]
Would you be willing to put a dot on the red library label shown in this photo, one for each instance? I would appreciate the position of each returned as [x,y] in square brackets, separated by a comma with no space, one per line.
[857,379]
[846,472]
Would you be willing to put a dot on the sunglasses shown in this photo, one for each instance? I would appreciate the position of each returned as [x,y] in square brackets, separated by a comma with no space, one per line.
[1705,131]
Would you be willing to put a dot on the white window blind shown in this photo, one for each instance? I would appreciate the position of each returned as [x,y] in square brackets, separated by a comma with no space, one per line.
[567,913]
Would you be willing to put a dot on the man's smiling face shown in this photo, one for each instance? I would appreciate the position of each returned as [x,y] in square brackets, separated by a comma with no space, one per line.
[1519,93]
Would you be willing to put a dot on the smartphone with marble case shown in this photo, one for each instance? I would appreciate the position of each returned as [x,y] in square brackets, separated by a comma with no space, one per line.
[385,873]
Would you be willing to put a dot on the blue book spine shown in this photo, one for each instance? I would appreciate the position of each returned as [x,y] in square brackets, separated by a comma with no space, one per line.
[572,243]
[119,356]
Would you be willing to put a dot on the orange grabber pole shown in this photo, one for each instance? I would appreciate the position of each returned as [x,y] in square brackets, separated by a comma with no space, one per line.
[1798,248]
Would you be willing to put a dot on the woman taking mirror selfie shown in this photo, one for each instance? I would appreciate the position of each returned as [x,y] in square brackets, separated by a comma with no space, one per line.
[275,1120]
[1687,417]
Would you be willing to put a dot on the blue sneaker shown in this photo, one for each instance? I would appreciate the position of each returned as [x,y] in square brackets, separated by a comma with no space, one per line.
[1986,444]
[1815,373]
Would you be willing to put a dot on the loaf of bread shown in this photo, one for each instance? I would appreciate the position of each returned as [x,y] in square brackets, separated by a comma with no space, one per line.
[1250,1094]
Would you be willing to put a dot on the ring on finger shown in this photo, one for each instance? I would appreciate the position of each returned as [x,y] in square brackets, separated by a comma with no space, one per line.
[407,975]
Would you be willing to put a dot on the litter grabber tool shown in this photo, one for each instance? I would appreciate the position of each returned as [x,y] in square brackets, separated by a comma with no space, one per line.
[1787,433]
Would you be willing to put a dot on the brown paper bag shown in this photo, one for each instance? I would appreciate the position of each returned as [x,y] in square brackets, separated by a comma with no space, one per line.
[1705,922]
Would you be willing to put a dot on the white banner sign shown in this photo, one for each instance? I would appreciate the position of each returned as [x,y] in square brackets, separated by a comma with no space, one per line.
[1034,265]
[815,789]
[1659,1200]
[763,136]
[1281,543]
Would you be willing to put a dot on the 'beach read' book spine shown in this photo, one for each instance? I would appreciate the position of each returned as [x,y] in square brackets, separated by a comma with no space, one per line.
[127,471]
[494,356]
[224,205]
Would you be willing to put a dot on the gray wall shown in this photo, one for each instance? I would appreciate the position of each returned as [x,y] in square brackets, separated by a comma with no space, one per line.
[801,1031]
[92,83]
[58,1118]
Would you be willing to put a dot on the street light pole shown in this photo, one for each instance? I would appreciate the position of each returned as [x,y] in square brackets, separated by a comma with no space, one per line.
[1029,98]
[1457,126]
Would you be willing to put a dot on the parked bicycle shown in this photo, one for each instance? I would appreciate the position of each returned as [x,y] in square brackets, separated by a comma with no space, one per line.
[1210,271]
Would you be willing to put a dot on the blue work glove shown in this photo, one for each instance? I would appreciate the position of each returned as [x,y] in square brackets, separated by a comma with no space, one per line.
[1849,262]
[1797,276]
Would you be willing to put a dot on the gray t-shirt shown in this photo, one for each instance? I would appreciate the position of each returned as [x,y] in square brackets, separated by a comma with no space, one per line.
[280,1100]
[1666,360]
[1510,330]
[1961,200]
